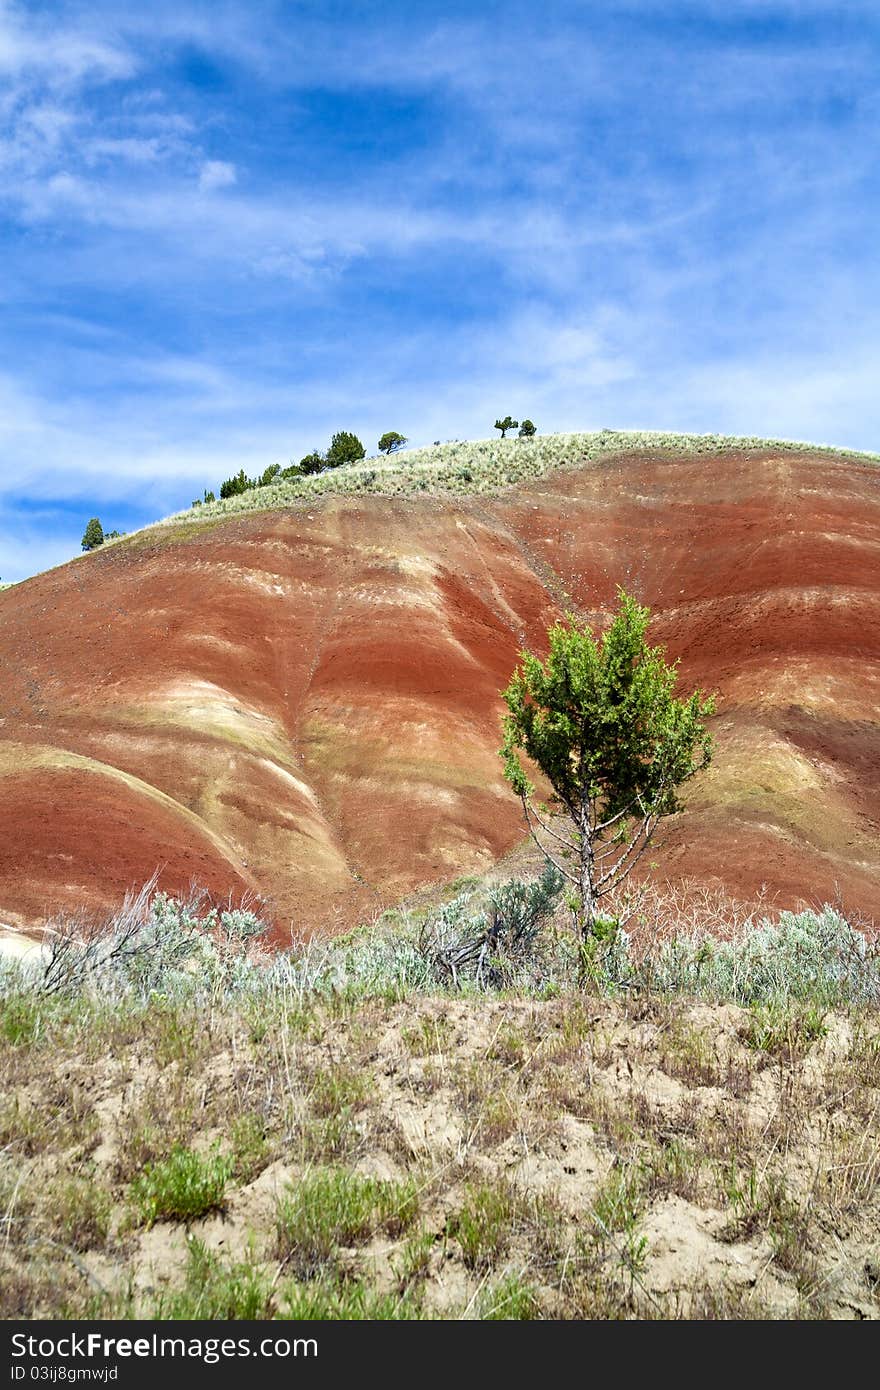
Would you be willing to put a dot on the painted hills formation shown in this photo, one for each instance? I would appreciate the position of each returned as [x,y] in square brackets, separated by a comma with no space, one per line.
[304,701]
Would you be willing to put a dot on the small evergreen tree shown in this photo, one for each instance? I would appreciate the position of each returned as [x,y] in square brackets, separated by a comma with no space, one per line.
[313,462]
[527,430]
[391,442]
[269,475]
[506,424]
[93,536]
[345,447]
[601,722]
[234,487]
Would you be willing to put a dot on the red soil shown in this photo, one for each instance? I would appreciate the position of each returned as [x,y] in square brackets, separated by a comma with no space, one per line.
[305,703]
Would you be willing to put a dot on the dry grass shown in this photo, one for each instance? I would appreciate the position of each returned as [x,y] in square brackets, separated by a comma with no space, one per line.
[200,1133]
[574,1157]
[468,466]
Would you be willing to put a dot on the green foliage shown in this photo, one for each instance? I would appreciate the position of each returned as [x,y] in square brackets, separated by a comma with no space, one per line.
[235,486]
[601,721]
[241,483]
[617,1211]
[80,1211]
[496,944]
[781,1029]
[159,955]
[512,1299]
[93,536]
[414,1258]
[619,1203]
[391,441]
[155,945]
[215,1290]
[331,1208]
[344,448]
[347,1300]
[506,424]
[813,957]
[519,909]
[20,1016]
[483,1225]
[336,1090]
[238,485]
[181,1187]
[527,430]
[251,1150]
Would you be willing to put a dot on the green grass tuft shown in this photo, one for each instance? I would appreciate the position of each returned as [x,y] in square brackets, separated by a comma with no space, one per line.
[332,1208]
[182,1187]
[215,1290]
[347,1301]
[512,1299]
[483,1225]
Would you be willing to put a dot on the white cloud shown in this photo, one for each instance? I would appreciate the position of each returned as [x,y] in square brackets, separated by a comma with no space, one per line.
[27,548]
[216,173]
[59,54]
[131,149]
[587,231]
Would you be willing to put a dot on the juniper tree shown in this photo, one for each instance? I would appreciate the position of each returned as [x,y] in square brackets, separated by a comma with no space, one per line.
[506,424]
[527,430]
[93,536]
[601,721]
[345,447]
[391,441]
[235,486]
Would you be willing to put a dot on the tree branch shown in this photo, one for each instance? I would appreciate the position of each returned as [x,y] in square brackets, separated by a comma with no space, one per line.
[566,873]
[645,829]
[548,829]
[612,820]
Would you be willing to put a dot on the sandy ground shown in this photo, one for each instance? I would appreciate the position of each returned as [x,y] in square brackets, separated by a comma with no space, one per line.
[15,945]
[643,1158]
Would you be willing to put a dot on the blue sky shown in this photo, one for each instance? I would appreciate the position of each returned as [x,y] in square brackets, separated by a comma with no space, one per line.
[228,230]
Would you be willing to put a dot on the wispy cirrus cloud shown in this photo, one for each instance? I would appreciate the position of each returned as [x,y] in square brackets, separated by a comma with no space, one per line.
[34,46]
[228,231]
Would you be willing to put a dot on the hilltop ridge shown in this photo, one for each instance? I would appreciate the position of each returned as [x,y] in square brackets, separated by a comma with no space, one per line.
[465,467]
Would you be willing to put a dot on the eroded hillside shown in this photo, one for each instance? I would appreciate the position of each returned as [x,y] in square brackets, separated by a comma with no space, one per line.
[304,701]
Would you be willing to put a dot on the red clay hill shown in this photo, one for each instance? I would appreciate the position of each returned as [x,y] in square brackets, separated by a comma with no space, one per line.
[304,702]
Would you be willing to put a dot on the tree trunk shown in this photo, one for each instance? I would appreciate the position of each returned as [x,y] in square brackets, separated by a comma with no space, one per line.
[587,866]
